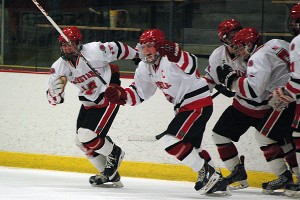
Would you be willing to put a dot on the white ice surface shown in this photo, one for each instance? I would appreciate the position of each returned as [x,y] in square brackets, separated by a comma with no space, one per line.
[23,184]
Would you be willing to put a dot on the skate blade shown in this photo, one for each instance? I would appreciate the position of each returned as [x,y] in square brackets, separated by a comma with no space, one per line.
[240,185]
[117,184]
[212,181]
[119,163]
[278,192]
[220,193]
[290,193]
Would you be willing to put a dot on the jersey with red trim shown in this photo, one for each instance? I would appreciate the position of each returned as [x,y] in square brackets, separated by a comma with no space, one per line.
[267,69]
[183,88]
[293,86]
[219,57]
[99,55]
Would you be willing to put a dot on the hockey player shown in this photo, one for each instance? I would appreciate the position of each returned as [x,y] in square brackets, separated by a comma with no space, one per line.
[267,68]
[282,96]
[96,114]
[167,67]
[224,55]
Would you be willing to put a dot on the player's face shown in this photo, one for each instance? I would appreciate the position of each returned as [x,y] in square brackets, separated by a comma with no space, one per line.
[294,26]
[229,38]
[240,51]
[67,49]
[149,51]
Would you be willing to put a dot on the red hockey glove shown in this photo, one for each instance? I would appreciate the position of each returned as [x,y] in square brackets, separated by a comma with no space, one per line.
[115,94]
[280,99]
[170,49]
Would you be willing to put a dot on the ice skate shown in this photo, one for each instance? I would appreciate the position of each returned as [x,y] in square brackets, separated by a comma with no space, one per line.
[238,175]
[100,180]
[113,161]
[209,181]
[220,188]
[204,176]
[291,189]
[279,183]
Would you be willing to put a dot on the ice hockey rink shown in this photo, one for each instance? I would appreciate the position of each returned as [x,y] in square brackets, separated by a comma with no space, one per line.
[22,184]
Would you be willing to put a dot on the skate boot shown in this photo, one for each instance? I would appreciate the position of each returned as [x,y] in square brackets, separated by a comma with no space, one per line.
[291,189]
[113,161]
[100,180]
[204,175]
[220,187]
[279,183]
[238,175]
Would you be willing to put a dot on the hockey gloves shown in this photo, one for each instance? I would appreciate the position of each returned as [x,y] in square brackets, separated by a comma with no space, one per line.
[170,49]
[280,99]
[226,75]
[55,93]
[116,94]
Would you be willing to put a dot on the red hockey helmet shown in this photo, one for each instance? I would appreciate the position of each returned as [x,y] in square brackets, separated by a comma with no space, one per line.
[152,35]
[73,34]
[148,39]
[295,12]
[246,41]
[227,29]
[294,20]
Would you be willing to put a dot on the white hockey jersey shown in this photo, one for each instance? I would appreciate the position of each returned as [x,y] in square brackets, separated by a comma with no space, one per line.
[293,86]
[267,69]
[219,57]
[99,56]
[179,82]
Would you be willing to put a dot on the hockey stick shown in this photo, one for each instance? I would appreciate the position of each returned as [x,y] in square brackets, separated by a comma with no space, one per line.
[69,42]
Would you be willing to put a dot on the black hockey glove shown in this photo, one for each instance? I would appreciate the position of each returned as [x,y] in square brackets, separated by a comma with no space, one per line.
[226,75]
[136,61]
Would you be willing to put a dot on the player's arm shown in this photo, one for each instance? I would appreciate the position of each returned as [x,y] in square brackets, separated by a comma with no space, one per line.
[141,89]
[118,51]
[55,90]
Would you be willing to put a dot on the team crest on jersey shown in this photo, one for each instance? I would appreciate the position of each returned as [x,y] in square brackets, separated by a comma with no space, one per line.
[292,46]
[275,48]
[102,47]
[250,63]
[52,71]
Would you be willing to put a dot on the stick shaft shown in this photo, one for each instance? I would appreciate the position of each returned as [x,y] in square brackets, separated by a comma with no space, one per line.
[67,39]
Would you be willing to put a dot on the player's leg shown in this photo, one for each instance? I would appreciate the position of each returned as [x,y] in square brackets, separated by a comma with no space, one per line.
[293,189]
[275,132]
[231,125]
[98,161]
[274,155]
[183,138]
[92,133]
